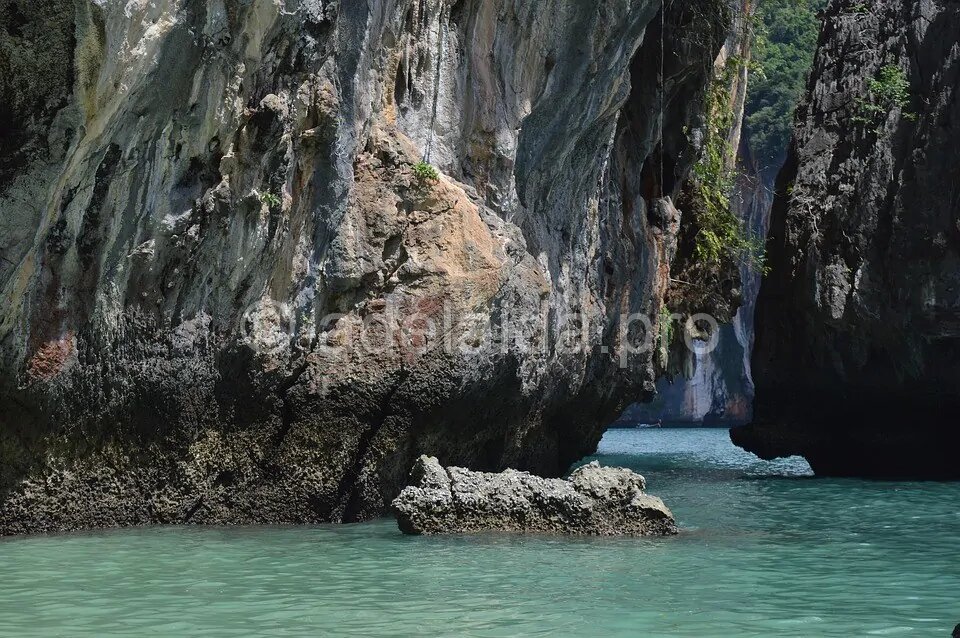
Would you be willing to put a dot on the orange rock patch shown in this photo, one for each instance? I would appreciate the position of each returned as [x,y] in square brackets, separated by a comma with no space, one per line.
[50,358]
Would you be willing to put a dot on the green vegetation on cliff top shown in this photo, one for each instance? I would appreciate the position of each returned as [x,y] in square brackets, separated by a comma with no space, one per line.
[786,34]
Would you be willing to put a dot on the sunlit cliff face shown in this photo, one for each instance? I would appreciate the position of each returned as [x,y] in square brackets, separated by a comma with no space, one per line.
[214,190]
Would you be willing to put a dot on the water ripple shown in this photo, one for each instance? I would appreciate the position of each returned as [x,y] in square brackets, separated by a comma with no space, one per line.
[783,555]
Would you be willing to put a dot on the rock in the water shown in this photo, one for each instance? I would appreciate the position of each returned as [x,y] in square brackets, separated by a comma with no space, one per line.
[598,501]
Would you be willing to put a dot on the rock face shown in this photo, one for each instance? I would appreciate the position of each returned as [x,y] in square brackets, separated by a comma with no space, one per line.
[717,387]
[714,386]
[596,501]
[857,361]
[229,297]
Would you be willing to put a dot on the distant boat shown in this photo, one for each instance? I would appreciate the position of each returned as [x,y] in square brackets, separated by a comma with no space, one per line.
[626,425]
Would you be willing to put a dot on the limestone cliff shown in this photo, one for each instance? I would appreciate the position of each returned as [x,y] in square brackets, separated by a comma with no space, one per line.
[713,386]
[210,208]
[857,363]
[717,387]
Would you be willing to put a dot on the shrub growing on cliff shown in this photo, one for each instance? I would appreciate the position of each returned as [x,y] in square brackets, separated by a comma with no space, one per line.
[271,200]
[890,89]
[720,233]
[424,172]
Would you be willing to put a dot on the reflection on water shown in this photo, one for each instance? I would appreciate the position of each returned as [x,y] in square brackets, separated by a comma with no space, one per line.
[766,551]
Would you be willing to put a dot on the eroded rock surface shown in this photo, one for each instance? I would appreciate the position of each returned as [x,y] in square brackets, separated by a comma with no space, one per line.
[597,501]
[857,361]
[204,203]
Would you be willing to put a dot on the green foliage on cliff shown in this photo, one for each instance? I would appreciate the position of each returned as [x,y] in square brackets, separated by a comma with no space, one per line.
[271,200]
[786,38]
[424,172]
[666,324]
[666,333]
[888,90]
[721,233]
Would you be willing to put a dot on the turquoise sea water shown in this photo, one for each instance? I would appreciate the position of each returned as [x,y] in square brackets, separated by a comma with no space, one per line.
[766,551]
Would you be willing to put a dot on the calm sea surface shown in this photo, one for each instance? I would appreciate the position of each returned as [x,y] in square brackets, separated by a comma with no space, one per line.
[766,551]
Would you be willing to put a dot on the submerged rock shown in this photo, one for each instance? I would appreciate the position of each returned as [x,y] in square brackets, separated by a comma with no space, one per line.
[596,501]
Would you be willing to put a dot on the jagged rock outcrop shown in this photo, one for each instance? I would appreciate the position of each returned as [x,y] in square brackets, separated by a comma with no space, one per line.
[857,362]
[594,501]
[231,295]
